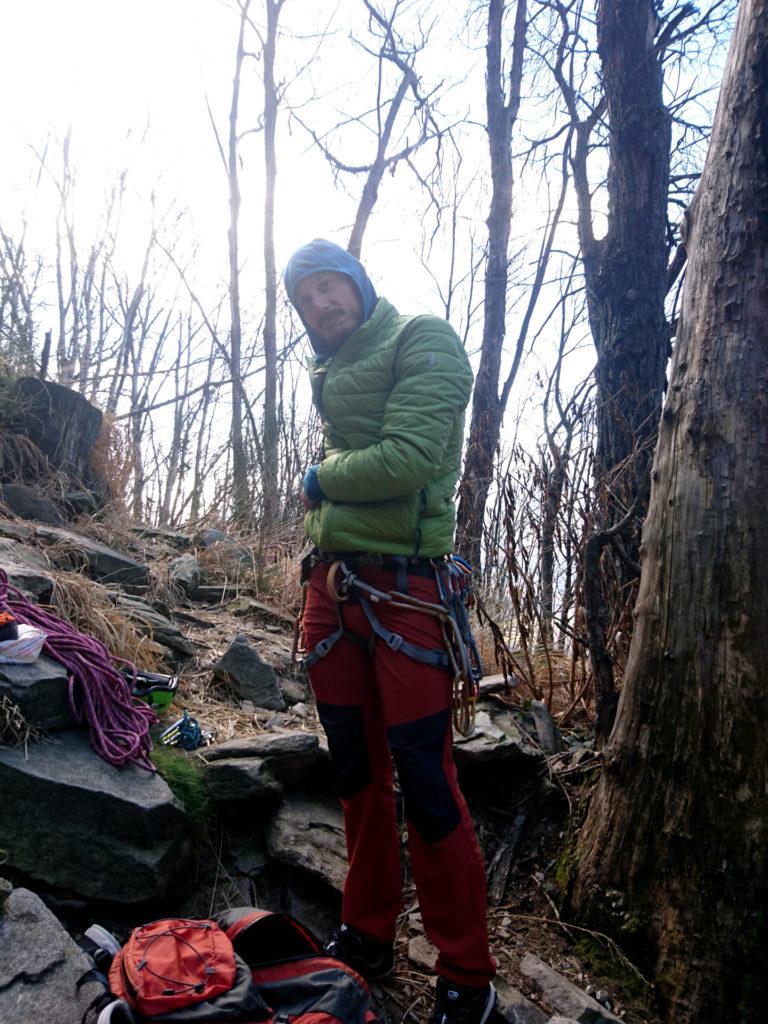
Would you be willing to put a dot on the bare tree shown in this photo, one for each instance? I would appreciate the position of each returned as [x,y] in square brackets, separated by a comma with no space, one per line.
[391,118]
[18,286]
[241,492]
[270,440]
[489,402]
[622,106]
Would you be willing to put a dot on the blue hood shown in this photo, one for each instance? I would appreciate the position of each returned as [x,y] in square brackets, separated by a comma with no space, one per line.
[321,255]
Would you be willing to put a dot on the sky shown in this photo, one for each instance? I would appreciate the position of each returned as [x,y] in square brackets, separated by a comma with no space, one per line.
[132,81]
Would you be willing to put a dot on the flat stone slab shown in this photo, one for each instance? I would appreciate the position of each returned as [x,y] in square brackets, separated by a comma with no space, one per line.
[310,835]
[172,537]
[565,997]
[39,690]
[422,953]
[242,778]
[42,970]
[290,755]
[26,503]
[73,821]
[496,737]
[513,1007]
[102,563]
[152,623]
[250,606]
[27,569]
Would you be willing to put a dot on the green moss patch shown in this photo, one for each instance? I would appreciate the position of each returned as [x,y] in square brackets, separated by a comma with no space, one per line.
[184,778]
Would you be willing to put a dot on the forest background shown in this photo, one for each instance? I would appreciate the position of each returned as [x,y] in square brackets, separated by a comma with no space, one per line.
[524,169]
[167,159]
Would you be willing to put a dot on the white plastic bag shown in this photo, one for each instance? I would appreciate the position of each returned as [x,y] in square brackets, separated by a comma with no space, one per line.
[25,648]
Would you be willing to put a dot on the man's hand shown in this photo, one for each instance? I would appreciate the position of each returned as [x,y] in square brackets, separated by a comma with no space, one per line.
[312,493]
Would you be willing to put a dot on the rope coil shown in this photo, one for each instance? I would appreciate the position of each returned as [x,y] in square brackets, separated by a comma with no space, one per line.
[98,693]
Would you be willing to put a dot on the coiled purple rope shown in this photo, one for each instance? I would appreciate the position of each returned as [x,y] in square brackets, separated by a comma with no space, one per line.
[98,693]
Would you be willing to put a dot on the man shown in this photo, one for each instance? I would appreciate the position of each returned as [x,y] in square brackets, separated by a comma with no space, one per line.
[391,392]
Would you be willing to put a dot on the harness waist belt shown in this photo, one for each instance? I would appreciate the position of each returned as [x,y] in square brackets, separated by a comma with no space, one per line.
[416,566]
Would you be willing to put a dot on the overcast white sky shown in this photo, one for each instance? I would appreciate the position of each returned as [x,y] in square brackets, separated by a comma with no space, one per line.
[132,80]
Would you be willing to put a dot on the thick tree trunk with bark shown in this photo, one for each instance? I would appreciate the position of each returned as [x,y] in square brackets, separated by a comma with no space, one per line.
[679,821]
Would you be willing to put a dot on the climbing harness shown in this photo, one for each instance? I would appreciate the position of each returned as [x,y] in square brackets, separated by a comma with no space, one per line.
[98,693]
[459,653]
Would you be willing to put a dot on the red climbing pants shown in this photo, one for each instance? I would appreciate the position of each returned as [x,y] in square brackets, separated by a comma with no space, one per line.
[378,705]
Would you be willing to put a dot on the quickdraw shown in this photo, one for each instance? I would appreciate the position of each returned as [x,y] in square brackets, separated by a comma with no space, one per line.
[459,654]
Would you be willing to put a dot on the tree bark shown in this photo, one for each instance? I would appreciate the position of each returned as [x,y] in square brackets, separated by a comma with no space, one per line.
[679,820]
[625,272]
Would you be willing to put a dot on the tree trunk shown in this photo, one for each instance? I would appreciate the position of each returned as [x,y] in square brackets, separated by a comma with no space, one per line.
[625,272]
[241,496]
[487,410]
[679,820]
[270,493]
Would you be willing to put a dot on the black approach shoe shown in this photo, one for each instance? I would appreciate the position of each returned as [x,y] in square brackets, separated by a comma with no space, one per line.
[457,1004]
[375,961]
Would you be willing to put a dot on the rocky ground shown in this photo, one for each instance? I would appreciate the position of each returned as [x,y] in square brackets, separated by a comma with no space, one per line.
[208,608]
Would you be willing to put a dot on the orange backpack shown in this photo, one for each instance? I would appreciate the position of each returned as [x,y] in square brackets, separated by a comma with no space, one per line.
[247,965]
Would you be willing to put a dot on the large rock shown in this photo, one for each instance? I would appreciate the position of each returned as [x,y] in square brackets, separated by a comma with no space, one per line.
[81,502]
[152,623]
[186,572]
[245,605]
[241,668]
[72,821]
[27,569]
[496,738]
[173,538]
[562,995]
[513,1007]
[208,537]
[102,563]
[310,835]
[62,424]
[26,503]
[39,691]
[43,972]
[289,755]
[242,778]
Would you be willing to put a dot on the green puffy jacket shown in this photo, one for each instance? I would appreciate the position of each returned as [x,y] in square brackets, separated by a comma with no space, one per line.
[392,402]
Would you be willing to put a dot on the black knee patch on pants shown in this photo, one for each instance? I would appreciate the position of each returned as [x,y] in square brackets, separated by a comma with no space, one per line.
[348,745]
[417,748]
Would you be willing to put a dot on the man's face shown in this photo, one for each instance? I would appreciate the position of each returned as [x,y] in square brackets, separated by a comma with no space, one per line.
[330,306]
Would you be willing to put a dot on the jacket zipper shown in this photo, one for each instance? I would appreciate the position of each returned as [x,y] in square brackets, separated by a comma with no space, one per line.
[422,510]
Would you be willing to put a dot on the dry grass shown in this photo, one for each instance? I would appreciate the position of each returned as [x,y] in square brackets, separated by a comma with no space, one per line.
[90,608]
[15,731]
[112,460]
[268,567]
[21,461]
[218,710]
